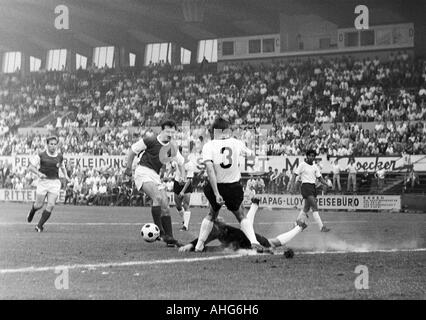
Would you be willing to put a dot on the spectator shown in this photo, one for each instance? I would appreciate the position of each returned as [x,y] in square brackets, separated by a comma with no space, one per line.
[380,175]
[336,176]
[352,171]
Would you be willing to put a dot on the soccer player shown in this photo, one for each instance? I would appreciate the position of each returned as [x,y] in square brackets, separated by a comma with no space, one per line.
[221,158]
[309,173]
[46,167]
[156,151]
[182,188]
[231,237]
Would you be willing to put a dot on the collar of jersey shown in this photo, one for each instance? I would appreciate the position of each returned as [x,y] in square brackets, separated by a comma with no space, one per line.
[52,155]
[162,143]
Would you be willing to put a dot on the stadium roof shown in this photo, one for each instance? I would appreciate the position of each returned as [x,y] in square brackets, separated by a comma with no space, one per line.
[28,25]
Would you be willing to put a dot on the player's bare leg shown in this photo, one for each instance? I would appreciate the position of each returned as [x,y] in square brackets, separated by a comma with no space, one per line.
[187,212]
[37,205]
[51,201]
[303,214]
[313,204]
[179,206]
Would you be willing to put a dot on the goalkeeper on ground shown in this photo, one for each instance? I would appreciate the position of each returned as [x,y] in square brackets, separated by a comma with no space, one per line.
[234,238]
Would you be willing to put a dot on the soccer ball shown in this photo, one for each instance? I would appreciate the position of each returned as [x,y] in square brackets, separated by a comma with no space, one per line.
[150,232]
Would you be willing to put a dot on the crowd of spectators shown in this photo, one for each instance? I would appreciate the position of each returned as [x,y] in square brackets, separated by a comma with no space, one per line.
[295,98]
[311,103]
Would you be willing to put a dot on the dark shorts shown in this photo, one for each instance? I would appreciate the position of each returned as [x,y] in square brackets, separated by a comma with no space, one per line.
[308,189]
[232,194]
[177,187]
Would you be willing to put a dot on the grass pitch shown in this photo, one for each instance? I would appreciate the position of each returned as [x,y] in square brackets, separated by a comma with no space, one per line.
[106,258]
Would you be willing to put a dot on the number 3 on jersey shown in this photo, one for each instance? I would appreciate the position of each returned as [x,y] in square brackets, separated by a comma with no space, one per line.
[226,157]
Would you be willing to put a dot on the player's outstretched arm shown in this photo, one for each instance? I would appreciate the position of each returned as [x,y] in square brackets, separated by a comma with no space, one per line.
[33,167]
[64,172]
[135,149]
[129,161]
[188,182]
[213,181]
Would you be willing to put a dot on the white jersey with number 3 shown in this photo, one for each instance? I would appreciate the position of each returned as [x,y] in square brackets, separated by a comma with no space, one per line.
[225,155]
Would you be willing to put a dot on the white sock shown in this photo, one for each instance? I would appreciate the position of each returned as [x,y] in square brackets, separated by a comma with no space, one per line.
[318,219]
[252,212]
[286,237]
[186,217]
[247,228]
[205,229]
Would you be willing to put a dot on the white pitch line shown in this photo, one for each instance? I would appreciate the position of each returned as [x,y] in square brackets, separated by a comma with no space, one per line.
[184,260]
[362,251]
[117,264]
[142,223]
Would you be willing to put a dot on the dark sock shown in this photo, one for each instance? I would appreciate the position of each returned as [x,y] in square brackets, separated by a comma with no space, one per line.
[33,210]
[156,216]
[167,225]
[44,217]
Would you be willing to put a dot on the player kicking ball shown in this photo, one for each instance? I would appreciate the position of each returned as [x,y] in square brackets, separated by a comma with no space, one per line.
[46,167]
[155,152]
[309,173]
[231,237]
[221,157]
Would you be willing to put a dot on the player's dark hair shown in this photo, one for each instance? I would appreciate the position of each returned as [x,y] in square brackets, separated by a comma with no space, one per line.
[311,151]
[52,138]
[218,124]
[168,123]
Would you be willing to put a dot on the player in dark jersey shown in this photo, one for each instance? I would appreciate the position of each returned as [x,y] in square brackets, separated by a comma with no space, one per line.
[155,152]
[46,167]
[234,238]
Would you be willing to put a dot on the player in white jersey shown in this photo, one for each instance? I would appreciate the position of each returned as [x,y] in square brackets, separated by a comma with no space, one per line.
[309,173]
[182,188]
[221,156]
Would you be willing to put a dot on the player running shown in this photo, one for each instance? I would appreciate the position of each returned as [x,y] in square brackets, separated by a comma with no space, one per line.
[221,157]
[156,151]
[231,237]
[309,173]
[46,167]
[182,188]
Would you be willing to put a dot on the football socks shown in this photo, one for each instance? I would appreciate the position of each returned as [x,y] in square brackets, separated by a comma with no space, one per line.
[318,219]
[156,216]
[186,218]
[44,217]
[287,236]
[205,229]
[252,212]
[167,225]
[247,228]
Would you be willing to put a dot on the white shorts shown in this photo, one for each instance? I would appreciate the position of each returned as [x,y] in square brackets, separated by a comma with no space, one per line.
[45,186]
[144,174]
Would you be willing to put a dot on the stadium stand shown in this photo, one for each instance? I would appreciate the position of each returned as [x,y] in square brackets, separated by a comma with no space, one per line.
[296,99]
